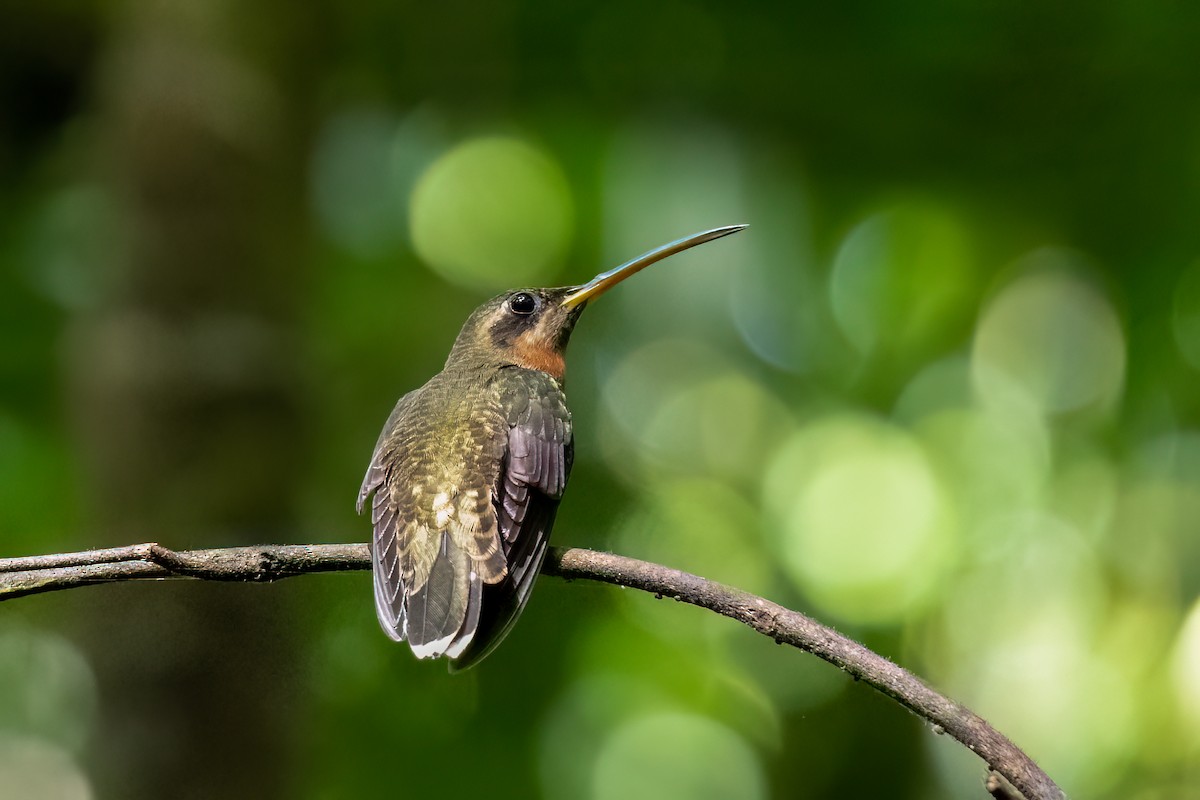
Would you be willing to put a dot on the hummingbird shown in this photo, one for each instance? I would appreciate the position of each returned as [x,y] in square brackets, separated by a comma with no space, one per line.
[468,472]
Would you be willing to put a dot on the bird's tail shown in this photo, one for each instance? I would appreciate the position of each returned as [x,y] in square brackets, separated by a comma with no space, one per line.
[443,613]
[505,601]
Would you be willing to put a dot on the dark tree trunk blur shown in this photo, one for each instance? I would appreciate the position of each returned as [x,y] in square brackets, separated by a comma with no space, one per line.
[185,386]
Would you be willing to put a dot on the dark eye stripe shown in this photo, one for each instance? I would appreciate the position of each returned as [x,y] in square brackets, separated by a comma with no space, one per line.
[519,314]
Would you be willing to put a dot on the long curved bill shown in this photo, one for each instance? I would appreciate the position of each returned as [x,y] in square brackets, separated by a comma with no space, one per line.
[606,280]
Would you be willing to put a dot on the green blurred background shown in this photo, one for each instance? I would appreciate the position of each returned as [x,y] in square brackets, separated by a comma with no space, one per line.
[942,394]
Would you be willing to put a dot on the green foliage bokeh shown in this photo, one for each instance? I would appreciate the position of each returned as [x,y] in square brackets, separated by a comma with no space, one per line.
[943,393]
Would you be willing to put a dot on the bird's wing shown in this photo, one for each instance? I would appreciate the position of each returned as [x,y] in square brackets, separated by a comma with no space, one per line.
[532,477]
[385,565]
[436,540]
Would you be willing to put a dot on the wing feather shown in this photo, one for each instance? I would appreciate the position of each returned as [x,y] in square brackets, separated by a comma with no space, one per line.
[385,565]
[533,475]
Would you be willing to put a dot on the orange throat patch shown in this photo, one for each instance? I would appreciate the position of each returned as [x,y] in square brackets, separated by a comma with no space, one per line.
[534,352]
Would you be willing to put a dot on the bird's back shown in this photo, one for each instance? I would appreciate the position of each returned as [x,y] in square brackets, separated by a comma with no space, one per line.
[466,476]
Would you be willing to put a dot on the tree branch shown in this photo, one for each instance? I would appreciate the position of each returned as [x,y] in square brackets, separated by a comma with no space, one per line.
[36,574]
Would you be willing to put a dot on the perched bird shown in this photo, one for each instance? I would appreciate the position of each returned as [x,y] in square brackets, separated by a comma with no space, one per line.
[469,470]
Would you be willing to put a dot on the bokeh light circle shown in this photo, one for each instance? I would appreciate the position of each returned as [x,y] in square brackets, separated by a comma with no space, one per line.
[492,213]
[1185,316]
[31,767]
[673,754]
[1186,672]
[867,525]
[900,278]
[699,525]
[1054,338]
[354,195]
[47,688]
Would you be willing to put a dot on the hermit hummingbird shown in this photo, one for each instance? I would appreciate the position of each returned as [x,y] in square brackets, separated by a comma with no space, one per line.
[469,470]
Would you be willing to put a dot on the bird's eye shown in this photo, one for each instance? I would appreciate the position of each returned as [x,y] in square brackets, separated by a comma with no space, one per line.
[522,303]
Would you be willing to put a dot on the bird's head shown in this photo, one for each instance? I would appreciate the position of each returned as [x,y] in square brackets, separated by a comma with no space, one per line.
[531,327]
